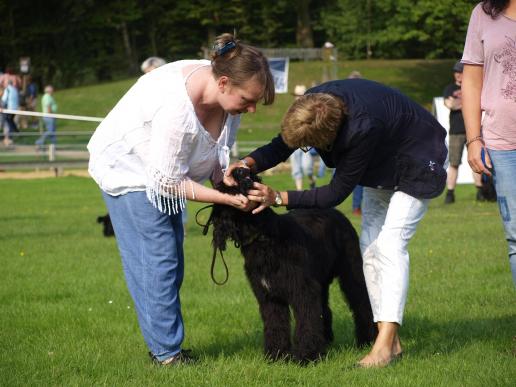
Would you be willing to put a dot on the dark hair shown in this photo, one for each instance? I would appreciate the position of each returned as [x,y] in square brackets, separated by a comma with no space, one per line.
[494,7]
[241,62]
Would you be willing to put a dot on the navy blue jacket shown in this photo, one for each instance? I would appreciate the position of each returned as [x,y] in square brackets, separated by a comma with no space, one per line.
[387,141]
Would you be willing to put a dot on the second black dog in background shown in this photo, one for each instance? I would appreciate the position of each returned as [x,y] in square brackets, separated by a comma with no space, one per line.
[290,261]
[107,227]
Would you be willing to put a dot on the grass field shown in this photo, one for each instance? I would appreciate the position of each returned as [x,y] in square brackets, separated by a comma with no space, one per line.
[67,319]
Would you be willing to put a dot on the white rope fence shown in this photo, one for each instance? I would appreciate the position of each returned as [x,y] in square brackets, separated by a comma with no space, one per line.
[241,146]
[51,115]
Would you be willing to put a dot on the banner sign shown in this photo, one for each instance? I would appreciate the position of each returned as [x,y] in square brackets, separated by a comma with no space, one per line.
[279,70]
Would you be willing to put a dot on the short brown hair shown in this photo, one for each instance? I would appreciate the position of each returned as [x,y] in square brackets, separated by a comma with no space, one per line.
[313,120]
[241,62]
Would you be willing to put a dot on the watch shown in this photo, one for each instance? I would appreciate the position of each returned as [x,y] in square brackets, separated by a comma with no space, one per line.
[277,200]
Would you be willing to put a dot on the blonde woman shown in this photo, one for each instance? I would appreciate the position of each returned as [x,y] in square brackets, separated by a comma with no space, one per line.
[376,137]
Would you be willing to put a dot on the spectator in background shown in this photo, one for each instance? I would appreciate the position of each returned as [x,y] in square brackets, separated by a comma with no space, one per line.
[457,135]
[3,128]
[10,76]
[31,96]
[11,101]
[489,84]
[152,63]
[358,191]
[302,161]
[48,105]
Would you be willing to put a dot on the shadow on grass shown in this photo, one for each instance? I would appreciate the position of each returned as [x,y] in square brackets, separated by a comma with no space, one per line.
[421,337]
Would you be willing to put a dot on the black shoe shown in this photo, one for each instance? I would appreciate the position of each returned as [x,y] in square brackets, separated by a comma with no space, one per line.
[180,358]
[450,197]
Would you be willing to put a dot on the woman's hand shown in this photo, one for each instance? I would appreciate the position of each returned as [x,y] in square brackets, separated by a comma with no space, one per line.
[228,175]
[475,158]
[241,202]
[263,195]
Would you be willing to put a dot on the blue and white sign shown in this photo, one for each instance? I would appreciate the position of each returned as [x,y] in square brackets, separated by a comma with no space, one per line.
[279,70]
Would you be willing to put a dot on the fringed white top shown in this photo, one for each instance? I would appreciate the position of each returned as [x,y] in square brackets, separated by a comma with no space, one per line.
[153,141]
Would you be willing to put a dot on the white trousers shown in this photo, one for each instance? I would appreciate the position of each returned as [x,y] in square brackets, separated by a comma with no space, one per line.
[389,221]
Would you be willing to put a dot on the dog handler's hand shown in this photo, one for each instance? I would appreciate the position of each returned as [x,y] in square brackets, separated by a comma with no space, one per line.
[263,195]
[246,162]
[241,202]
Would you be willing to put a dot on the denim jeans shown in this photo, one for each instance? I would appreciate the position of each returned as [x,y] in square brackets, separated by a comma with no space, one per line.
[504,166]
[151,246]
[302,164]
[389,221]
[50,126]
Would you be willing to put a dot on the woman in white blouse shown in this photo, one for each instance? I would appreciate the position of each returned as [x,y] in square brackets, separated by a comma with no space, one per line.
[167,135]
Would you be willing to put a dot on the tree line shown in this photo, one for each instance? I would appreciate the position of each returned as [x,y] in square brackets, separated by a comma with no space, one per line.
[72,42]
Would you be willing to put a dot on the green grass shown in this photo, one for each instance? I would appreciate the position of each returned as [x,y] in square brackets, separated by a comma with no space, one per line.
[67,319]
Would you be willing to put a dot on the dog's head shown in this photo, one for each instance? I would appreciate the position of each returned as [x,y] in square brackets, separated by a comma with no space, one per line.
[107,228]
[244,179]
[228,222]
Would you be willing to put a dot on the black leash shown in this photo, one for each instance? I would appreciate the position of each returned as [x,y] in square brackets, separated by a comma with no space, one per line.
[214,257]
[212,271]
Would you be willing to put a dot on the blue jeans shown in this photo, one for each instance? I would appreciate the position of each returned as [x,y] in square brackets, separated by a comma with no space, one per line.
[302,164]
[151,246]
[50,125]
[504,166]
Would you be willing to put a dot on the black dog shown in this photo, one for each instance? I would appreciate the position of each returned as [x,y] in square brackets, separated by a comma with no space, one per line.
[107,228]
[290,261]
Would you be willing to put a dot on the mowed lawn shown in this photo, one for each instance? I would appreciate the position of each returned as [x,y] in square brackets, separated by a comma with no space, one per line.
[67,319]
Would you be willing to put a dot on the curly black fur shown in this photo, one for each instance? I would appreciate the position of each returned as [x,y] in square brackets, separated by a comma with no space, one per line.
[107,227]
[290,261]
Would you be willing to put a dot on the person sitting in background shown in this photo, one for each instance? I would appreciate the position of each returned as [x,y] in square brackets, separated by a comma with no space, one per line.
[457,135]
[152,63]
[302,163]
[48,105]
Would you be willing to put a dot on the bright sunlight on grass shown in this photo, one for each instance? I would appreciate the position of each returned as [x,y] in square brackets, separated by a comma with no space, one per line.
[67,319]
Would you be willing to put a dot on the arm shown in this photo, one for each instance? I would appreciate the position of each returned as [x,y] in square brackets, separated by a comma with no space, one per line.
[166,161]
[472,83]
[350,167]
[261,159]
[452,103]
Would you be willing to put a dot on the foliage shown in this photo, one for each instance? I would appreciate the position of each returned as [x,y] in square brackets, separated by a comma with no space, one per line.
[398,28]
[67,318]
[79,42]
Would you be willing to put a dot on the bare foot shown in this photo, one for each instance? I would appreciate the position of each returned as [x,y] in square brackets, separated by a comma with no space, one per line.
[386,349]
[376,359]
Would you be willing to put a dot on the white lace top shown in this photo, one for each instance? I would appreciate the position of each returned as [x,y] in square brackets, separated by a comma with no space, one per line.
[152,140]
